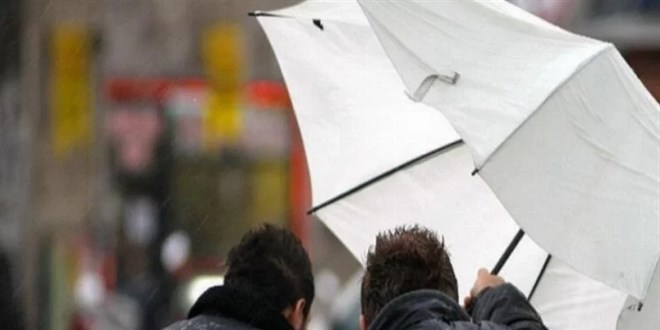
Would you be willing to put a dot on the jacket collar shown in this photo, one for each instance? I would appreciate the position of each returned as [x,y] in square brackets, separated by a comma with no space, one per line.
[243,306]
[414,307]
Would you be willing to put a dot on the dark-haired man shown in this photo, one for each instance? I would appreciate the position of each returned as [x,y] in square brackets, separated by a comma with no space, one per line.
[409,283]
[268,285]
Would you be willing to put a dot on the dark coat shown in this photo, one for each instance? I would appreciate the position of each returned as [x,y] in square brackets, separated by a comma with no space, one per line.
[224,308]
[10,307]
[500,308]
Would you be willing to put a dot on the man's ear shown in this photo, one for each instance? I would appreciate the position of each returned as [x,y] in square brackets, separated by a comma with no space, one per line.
[363,322]
[296,315]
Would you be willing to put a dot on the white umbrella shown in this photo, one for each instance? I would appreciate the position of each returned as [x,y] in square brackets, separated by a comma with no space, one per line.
[558,125]
[377,159]
[359,128]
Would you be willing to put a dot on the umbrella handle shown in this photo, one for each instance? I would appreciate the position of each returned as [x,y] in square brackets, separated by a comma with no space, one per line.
[500,263]
[507,253]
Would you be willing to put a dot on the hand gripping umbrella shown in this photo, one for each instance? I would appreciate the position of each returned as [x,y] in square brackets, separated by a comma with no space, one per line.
[377,159]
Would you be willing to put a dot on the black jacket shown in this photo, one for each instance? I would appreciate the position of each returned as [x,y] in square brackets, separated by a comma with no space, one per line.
[500,308]
[10,312]
[224,308]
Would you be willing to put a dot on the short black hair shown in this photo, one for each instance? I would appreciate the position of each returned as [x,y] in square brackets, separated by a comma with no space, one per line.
[272,261]
[405,259]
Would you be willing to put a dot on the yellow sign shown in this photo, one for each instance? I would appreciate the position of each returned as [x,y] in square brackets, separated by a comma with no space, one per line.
[223,56]
[222,120]
[71,86]
[223,62]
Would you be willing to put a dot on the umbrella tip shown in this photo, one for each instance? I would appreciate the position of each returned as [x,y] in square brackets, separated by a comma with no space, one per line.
[259,13]
[476,170]
[318,23]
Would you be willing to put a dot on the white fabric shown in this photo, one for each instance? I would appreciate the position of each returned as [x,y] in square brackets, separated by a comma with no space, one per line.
[562,130]
[475,226]
[562,289]
[351,125]
[495,47]
[600,306]
[648,318]
[600,195]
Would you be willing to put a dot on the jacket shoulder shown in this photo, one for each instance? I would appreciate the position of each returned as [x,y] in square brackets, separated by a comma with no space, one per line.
[206,322]
[439,324]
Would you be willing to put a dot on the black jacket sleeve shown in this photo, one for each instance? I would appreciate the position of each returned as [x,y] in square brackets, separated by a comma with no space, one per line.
[505,306]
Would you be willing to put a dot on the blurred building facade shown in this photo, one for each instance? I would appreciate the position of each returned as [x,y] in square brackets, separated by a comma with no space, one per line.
[109,181]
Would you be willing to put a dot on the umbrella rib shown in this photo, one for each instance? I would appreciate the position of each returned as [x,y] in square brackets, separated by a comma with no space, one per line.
[385,175]
[259,13]
[538,278]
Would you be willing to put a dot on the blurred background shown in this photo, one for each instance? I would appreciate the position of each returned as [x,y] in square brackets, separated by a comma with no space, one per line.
[140,139]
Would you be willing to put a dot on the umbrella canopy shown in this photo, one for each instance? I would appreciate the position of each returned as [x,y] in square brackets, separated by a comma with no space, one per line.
[377,159]
[558,126]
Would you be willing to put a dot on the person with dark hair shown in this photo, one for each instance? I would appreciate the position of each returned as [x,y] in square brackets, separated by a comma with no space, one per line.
[268,285]
[409,283]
